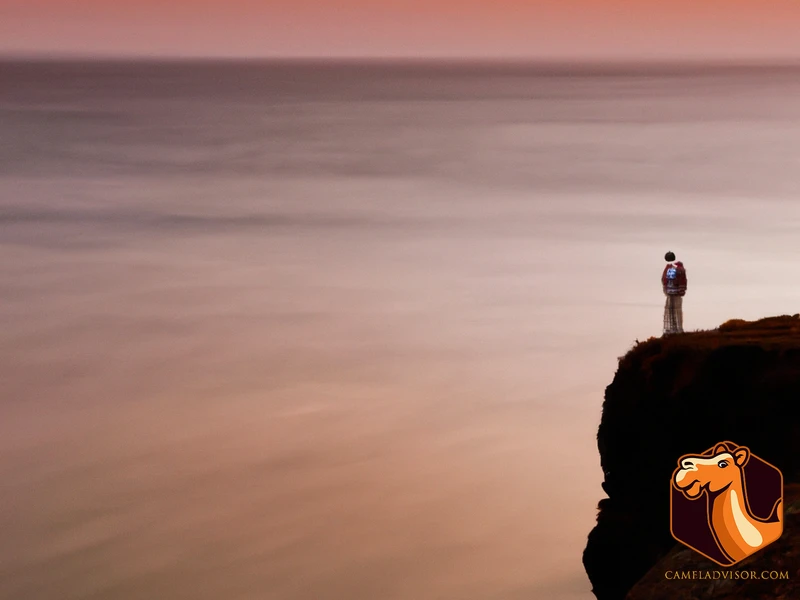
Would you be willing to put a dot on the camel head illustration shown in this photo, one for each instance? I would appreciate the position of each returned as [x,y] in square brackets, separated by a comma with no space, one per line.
[719,475]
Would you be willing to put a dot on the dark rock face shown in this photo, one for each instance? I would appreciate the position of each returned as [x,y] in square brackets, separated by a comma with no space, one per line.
[684,394]
[780,561]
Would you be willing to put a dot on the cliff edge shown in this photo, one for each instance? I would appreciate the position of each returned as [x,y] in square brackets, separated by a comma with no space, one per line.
[683,394]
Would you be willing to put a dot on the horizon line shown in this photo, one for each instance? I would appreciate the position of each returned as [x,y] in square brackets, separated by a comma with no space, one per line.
[740,61]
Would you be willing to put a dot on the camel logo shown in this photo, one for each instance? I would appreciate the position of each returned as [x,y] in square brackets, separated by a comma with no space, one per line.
[717,497]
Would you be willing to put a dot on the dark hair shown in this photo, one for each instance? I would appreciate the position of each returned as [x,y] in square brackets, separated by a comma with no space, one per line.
[669,256]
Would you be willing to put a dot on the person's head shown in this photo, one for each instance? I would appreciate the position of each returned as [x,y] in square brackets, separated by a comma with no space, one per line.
[669,256]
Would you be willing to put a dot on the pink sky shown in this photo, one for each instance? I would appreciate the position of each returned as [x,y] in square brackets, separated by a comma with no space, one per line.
[597,29]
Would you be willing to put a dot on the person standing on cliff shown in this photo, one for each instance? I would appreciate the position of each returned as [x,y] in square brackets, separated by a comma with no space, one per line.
[673,282]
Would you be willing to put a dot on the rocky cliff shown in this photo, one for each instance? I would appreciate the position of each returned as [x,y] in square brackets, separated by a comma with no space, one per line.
[683,394]
[776,561]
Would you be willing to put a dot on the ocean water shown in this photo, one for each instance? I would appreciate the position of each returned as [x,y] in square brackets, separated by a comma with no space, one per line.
[306,331]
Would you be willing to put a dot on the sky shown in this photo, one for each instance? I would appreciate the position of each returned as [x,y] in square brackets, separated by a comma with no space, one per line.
[545,29]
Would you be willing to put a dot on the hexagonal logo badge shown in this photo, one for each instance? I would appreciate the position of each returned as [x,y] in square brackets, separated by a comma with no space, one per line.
[726,503]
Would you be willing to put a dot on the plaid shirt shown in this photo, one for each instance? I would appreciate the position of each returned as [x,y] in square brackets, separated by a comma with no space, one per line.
[677,286]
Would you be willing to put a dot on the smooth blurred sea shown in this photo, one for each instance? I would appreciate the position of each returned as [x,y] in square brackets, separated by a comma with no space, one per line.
[298,331]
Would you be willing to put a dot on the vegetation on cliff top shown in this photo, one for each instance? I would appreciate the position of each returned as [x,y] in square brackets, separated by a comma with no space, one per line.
[772,332]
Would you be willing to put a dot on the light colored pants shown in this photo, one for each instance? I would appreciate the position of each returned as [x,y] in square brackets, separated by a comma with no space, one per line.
[673,315]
